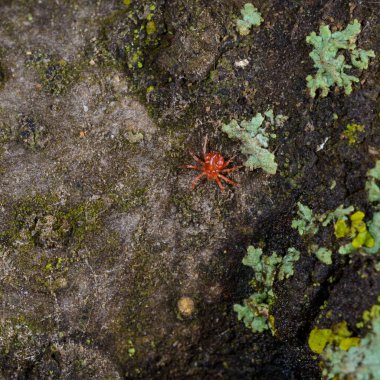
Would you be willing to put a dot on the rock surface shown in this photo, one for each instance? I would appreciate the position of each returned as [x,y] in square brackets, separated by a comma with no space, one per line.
[101,235]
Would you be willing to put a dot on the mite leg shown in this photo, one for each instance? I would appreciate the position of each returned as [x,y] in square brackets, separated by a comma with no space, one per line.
[229,161]
[231,169]
[196,158]
[191,167]
[228,180]
[205,147]
[219,184]
[197,179]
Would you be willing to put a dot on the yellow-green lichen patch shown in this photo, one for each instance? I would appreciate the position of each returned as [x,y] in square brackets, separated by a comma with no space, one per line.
[338,335]
[372,313]
[143,36]
[318,339]
[357,231]
[348,225]
[351,133]
[151,27]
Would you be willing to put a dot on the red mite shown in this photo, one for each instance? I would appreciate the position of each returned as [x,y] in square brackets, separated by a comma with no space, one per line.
[212,166]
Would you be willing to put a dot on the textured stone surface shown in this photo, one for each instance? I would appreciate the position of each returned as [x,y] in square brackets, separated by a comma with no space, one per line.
[101,235]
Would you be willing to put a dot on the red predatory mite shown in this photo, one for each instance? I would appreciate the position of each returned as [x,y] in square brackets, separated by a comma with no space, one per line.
[212,166]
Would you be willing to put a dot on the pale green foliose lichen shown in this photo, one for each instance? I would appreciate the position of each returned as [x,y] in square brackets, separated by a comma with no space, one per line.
[287,266]
[371,186]
[324,255]
[346,249]
[374,230]
[255,139]
[330,61]
[306,224]
[251,17]
[374,197]
[338,213]
[255,311]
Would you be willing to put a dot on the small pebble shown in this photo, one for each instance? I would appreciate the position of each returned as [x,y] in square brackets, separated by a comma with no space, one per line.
[186,306]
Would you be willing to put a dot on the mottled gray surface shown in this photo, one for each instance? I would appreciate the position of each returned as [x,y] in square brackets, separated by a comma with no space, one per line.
[101,234]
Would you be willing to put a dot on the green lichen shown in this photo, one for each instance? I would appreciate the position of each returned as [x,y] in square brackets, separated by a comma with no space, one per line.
[254,137]
[374,197]
[351,132]
[151,27]
[331,66]
[339,336]
[369,315]
[359,362]
[251,17]
[364,236]
[134,57]
[374,230]
[255,311]
[339,213]
[371,185]
[356,230]
[307,222]
[143,36]
[324,255]
[286,269]
[150,89]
